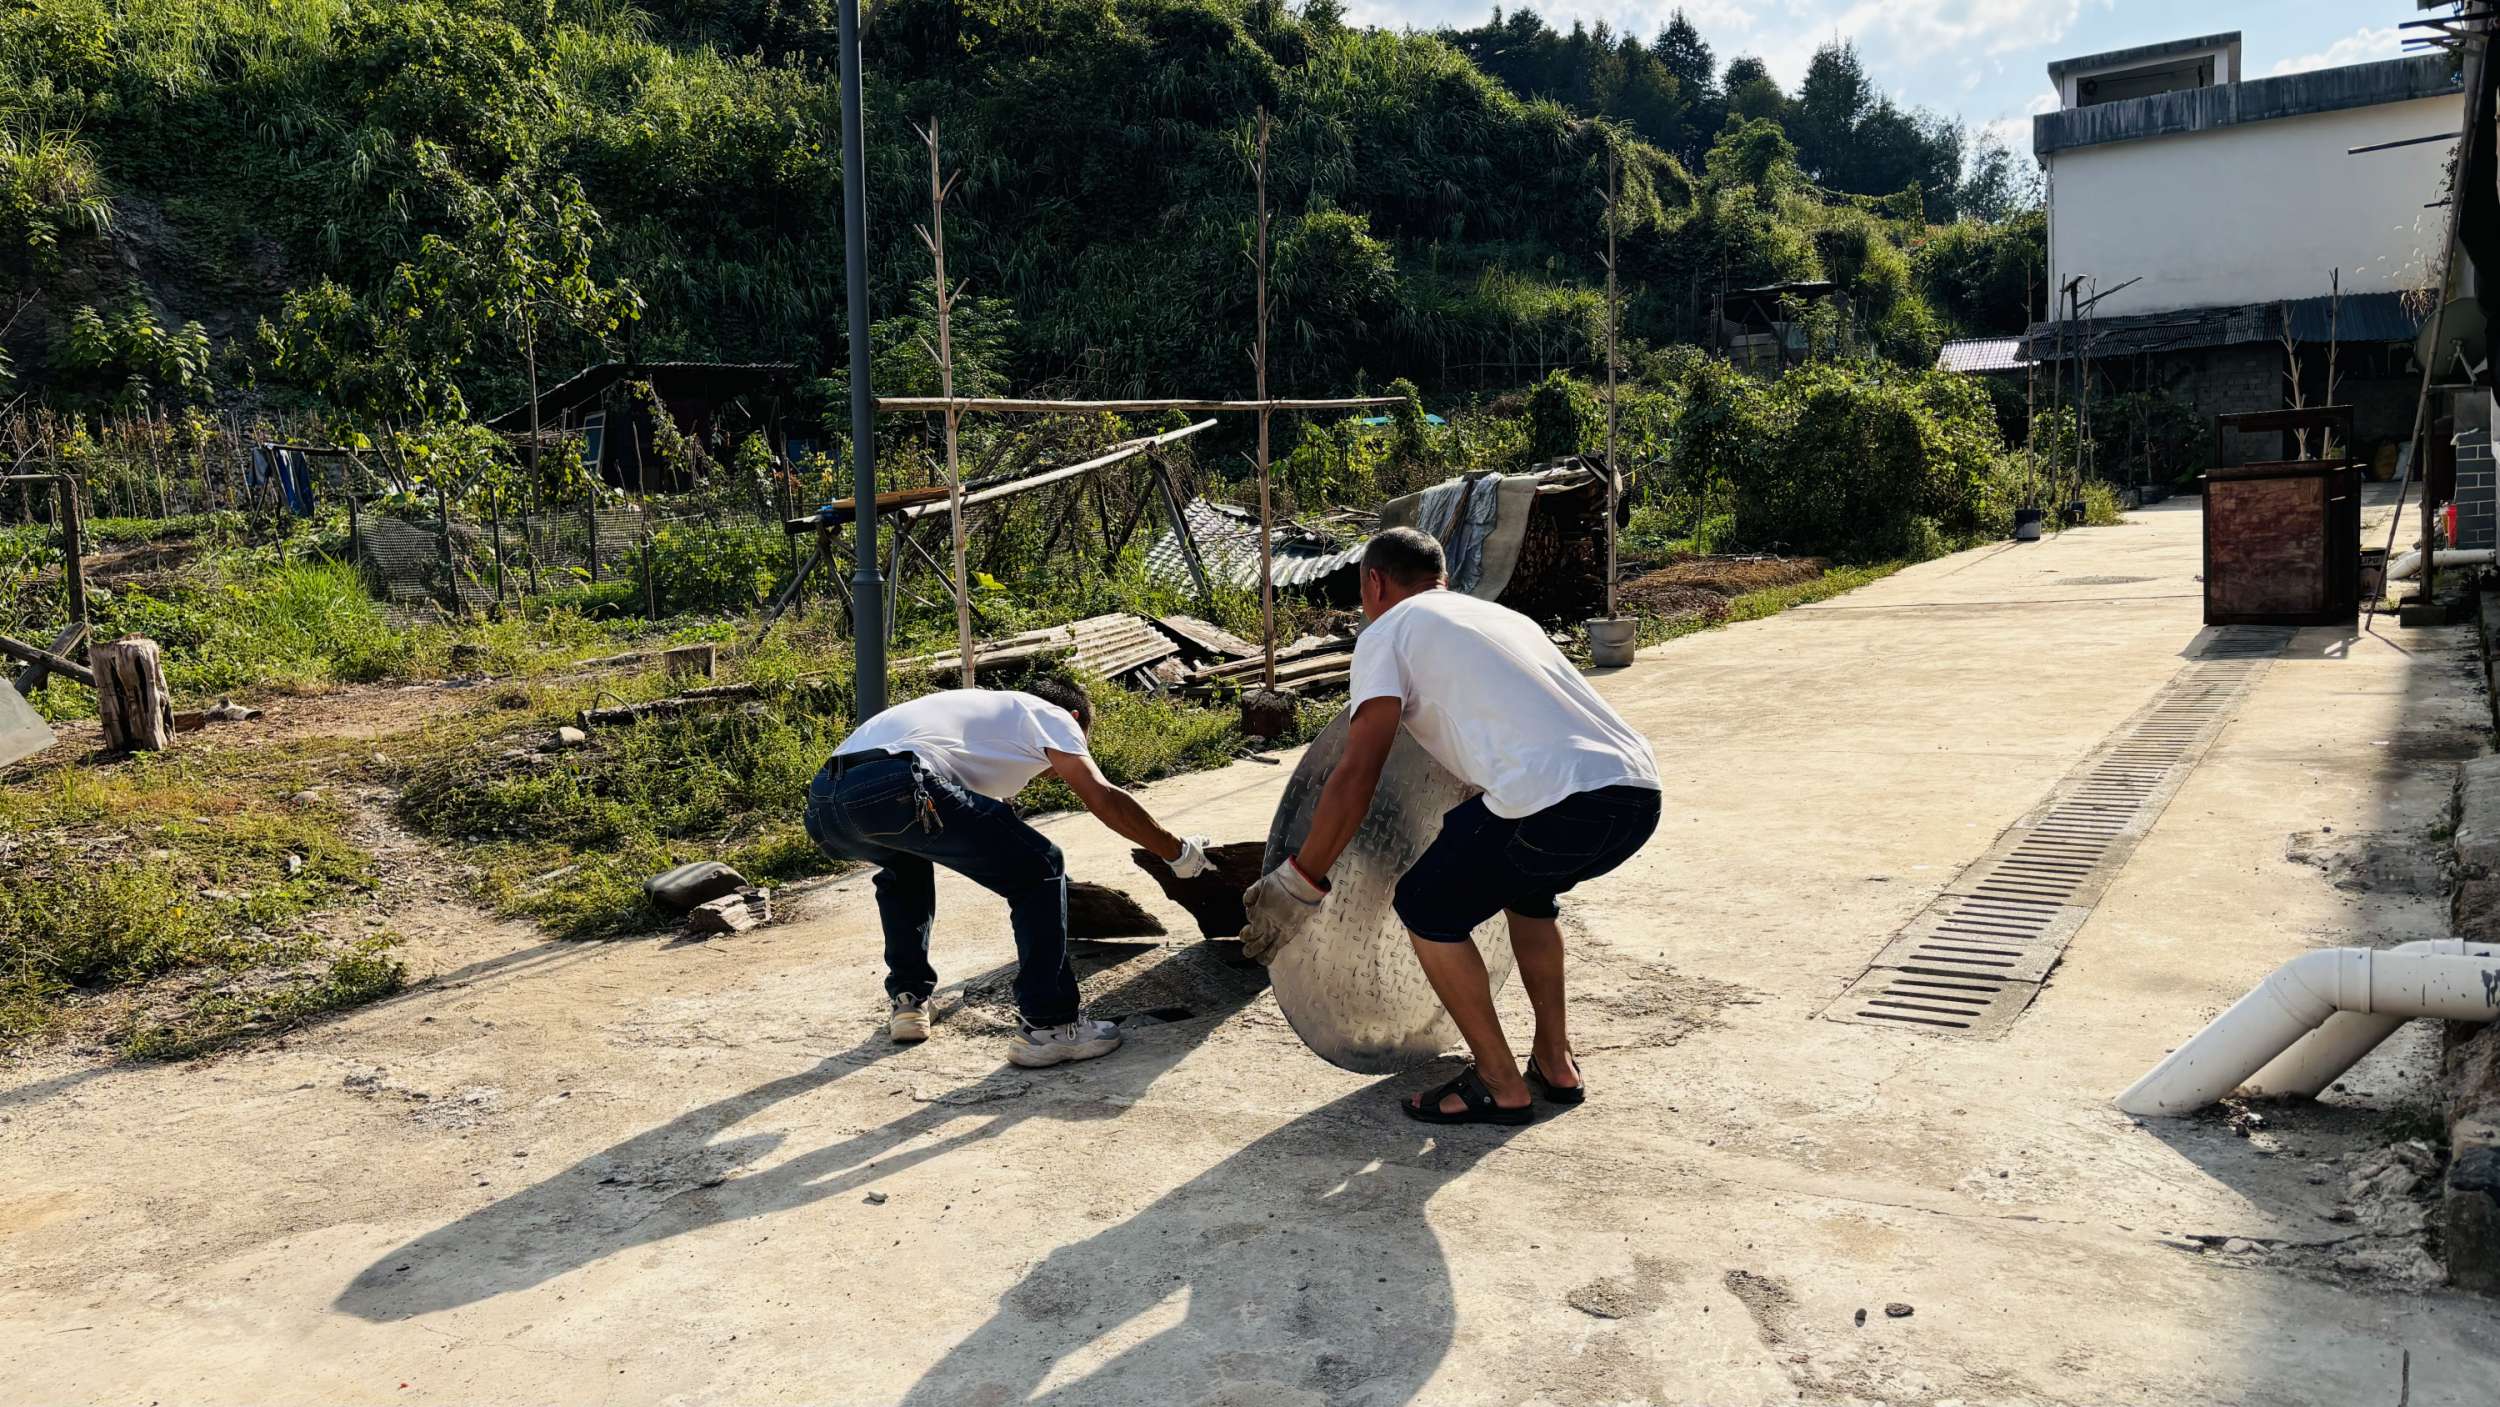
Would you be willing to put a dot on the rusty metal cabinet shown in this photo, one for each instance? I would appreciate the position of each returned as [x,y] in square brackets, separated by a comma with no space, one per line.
[2283,536]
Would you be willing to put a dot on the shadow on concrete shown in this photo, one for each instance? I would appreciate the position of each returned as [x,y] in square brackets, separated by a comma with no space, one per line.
[1301,1268]
[680,1177]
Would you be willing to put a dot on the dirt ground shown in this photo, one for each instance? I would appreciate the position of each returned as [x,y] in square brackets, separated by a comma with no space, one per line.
[657,1170]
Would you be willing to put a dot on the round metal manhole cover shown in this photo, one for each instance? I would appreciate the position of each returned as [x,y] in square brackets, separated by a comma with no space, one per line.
[1350,983]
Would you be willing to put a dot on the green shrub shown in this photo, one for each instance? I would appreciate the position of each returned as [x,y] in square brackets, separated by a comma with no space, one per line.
[1862,462]
[703,569]
[1563,418]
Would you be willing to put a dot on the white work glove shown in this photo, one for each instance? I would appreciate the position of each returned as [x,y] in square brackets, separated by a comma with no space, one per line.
[1192,861]
[1280,906]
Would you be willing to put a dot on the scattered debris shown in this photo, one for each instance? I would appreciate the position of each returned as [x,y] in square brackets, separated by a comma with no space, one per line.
[1108,645]
[689,701]
[874,1199]
[1311,663]
[732,913]
[566,737]
[1208,639]
[45,659]
[1621,1297]
[1898,1310]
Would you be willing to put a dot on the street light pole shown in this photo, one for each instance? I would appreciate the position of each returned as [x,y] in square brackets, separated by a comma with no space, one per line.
[867,587]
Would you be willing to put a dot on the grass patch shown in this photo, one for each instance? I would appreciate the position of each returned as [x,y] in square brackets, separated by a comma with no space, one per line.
[567,838]
[195,863]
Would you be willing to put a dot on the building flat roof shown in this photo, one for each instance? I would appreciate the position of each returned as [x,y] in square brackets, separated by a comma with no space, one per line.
[2255,100]
[2142,53]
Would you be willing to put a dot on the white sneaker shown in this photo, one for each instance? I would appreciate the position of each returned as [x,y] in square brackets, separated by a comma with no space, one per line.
[910,1021]
[1054,1045]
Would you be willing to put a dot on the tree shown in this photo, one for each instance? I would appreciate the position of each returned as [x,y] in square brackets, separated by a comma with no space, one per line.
[1998,184]
[523,264]
[1680,51]
[1751,94]
[1831,101]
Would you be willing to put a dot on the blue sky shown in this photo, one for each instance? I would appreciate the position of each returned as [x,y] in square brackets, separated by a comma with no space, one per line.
[1981,60]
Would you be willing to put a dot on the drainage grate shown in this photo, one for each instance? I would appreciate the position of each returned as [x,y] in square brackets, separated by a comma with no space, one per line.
[1951,1006]
[1974,958]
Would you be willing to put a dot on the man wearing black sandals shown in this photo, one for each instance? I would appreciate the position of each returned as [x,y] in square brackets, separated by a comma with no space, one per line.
[1566,791]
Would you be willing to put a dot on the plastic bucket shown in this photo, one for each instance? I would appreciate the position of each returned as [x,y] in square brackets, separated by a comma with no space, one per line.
[1611,641]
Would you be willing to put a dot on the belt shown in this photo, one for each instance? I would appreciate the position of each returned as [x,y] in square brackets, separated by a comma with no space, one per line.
[842,762]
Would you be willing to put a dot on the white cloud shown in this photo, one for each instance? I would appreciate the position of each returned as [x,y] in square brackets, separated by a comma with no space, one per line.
[2364,45]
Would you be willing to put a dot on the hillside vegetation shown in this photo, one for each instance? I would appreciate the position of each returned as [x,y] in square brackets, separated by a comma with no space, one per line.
[220,162]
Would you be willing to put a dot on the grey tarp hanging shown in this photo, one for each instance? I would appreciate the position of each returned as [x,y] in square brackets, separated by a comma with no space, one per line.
[1488,552]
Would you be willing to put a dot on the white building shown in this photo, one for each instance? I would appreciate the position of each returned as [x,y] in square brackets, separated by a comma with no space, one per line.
[2207,209]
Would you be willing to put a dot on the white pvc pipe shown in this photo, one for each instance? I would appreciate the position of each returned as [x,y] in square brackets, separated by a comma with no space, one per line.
[2320,1058]
[2297,1000]
[2411,562]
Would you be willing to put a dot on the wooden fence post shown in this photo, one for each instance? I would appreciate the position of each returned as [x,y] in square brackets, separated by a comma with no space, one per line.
[73,546]
[137,713]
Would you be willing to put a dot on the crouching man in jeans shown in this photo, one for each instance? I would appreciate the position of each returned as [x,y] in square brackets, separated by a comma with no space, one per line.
[1566,792]
[926,783]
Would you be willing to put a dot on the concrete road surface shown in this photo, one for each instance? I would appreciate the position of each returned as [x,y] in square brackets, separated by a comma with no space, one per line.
[662,1171]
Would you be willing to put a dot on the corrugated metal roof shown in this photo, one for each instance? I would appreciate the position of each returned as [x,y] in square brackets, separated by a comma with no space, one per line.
[1982,354]
[1228,543]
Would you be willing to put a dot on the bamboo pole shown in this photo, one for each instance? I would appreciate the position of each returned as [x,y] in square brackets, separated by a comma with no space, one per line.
[935,238]
[1613,313]
[1011,406]
[1267,530]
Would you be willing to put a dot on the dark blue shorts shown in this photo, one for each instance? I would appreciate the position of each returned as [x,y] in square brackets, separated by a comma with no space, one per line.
[1482,865]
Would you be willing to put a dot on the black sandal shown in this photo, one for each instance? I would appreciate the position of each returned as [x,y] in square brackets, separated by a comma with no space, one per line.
[1470,1089]
[1554,1093]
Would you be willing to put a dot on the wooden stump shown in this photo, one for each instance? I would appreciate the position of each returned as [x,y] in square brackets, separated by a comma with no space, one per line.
[688,660]
[130,695]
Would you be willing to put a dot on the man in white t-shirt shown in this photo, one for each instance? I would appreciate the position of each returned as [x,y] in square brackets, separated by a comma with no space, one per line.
[926,783]
[1566,791]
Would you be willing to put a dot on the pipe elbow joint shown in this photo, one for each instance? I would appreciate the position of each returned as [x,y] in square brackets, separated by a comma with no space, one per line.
[2321,982]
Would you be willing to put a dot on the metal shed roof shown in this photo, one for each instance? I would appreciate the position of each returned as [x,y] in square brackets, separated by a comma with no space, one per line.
[1228,543]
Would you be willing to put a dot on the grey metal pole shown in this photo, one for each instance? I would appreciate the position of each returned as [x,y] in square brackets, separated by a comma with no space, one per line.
[867,587]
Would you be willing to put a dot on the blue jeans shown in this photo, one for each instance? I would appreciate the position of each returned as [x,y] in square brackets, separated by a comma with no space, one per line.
[896,814]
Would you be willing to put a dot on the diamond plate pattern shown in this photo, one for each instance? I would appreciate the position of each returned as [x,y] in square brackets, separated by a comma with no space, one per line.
[1350,983]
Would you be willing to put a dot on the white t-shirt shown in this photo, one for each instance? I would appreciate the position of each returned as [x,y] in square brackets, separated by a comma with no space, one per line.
[1492,700]
[985,740]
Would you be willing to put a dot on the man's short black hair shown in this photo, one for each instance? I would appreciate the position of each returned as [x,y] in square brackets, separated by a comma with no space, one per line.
[1407,557]
[1065,695]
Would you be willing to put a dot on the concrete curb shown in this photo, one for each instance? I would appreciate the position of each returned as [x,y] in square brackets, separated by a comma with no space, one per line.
[2470,1069]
